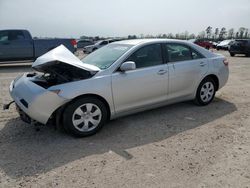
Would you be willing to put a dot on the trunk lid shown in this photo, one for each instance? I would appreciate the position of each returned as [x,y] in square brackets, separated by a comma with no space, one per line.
[63,55]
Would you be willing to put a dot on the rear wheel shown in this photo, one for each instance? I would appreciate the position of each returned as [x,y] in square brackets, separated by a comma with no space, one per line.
[205,92]
[232,54]
[84,117]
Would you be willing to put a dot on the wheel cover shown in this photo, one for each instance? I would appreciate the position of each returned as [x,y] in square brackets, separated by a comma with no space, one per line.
[207,91]
[87,117]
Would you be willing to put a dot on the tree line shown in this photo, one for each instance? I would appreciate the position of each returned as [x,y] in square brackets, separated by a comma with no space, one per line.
[208,34]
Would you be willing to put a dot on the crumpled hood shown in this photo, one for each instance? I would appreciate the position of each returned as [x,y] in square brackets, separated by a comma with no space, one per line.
[61,54]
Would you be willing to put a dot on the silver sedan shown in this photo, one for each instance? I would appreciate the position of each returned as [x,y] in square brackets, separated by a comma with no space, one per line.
[121,78]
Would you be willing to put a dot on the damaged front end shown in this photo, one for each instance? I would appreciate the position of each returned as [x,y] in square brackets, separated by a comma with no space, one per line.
[58,72]
[61,66]
[31,91]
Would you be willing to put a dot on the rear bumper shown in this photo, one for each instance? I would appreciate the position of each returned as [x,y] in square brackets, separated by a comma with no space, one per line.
[223,76]
[36,102]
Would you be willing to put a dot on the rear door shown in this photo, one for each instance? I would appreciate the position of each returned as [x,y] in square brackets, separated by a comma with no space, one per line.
[146,85]
[186,68]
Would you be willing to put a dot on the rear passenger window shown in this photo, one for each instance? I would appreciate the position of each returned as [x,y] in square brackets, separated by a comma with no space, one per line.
[178,52]
[147,56]
[196,55]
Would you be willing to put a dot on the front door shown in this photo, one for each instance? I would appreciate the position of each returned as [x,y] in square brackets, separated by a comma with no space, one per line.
[146,85]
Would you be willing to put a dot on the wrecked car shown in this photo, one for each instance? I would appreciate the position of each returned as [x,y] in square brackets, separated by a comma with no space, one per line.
[121,78]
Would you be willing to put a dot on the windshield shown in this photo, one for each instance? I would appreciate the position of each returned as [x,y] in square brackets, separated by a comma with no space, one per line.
[106,56]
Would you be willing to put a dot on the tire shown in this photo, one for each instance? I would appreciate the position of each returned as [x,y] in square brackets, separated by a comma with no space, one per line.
[84,117]
[205,92]
[232,54]
[207,47]
[94,49]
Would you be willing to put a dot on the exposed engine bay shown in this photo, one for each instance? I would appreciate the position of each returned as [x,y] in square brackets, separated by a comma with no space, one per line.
[59,73]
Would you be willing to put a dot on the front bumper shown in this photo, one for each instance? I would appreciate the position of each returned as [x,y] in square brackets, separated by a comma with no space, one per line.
[35,101]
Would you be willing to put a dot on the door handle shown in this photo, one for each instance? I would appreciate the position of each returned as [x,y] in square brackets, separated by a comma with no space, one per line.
[202,64]
[161,72]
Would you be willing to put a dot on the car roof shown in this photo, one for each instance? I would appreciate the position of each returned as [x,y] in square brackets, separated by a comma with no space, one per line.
[144,41]
[136,42]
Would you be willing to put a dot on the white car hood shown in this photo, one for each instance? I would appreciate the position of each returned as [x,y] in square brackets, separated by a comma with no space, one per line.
[62,54]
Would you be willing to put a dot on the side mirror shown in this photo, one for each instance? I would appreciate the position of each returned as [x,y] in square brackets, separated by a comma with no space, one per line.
[126,66]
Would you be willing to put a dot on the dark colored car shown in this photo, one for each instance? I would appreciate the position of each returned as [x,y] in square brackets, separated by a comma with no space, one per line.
[16,45]
[240,47]
[83,43]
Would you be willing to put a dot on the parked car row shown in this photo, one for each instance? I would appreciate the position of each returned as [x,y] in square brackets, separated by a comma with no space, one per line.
[83,43]
[97,45]
[237,46]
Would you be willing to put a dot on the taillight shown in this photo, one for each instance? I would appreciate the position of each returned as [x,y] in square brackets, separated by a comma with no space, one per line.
[73,42]
[226,62]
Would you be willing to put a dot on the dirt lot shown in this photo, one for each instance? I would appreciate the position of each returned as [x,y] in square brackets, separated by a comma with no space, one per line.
[181,145]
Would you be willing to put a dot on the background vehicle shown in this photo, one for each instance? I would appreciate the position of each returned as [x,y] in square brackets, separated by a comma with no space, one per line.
[97,45]
[214,44]
[240,47]
[119,79]
[202,43]
[223,45]
[83,43]
[19,45]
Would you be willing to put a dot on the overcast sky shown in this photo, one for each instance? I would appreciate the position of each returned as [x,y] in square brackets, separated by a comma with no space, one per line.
[73,18]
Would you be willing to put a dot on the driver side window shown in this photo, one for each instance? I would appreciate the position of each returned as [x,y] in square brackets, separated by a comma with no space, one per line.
[147,56]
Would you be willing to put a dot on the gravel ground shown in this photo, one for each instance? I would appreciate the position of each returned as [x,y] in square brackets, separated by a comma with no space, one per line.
[180,145]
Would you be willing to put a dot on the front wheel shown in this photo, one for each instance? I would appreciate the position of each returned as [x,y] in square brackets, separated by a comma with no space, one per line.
[205,92]
[84,117]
